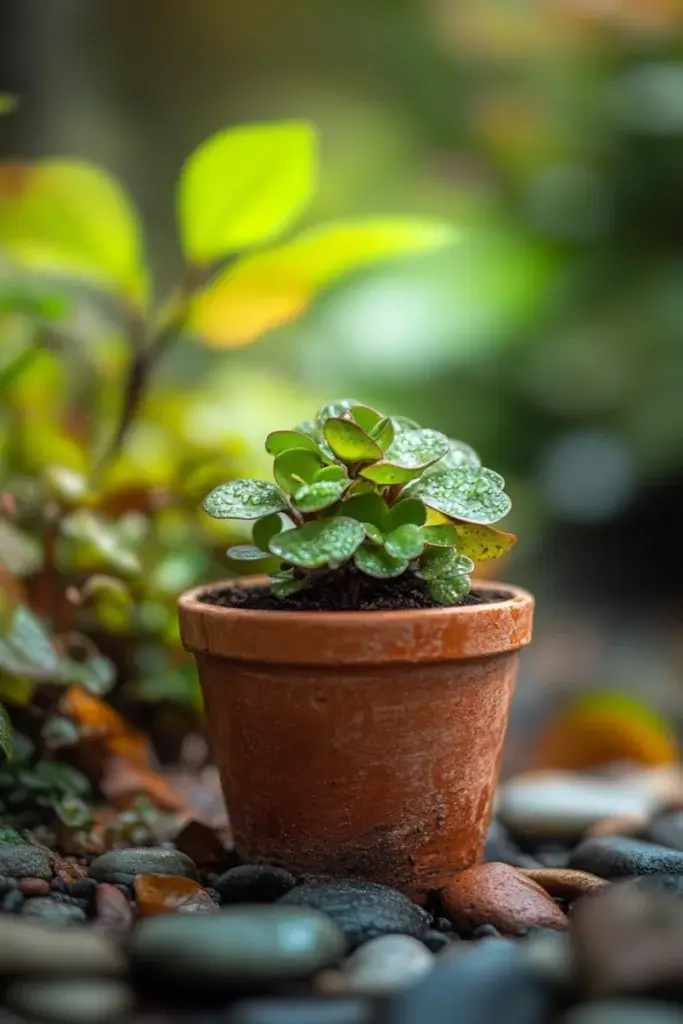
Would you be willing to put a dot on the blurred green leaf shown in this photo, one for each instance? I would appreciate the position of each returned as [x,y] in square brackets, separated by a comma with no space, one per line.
[272,288]
[96,674]
[26,649]
[10,835]
[56,775]
[8,103]
[67,217]
[319,495]
[285,583]
[245,186]
[59,732]
[73,812]
[5,733]
[103,537]
[19,551]
[247,553]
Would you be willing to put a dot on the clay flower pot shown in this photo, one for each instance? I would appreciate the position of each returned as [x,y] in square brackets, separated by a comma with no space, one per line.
[360,743]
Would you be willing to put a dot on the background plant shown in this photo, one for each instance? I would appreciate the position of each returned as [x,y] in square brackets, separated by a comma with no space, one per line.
[380,492]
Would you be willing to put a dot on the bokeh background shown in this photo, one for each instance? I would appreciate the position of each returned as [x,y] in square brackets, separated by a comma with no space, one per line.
[550,336]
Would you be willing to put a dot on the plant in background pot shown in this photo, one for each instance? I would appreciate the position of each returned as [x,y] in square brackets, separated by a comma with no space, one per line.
[358,704]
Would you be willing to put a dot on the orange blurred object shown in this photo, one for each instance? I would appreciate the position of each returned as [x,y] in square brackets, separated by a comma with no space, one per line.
[170,894]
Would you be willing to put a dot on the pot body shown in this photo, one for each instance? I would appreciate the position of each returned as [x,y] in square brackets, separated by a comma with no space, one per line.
[361,744]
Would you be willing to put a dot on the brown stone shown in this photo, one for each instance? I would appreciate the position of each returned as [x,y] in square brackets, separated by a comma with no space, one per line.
[34,887]
[500,895]
[202,844]
[627,940]
[171,894]
[113,911]
[630,825]
[564,883]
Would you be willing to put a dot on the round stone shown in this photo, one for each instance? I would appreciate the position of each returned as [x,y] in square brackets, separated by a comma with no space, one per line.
[28,946]
[564,883]
[240,948]
[34,886]
[254,883]
[561,806]
[363,910]
[500,895]
[71,1002]
[668,830]
[387,964]
[623,1011]
[303,1011]
[21,860]
[501,848]
[121,866]
[48,909]
[614,857]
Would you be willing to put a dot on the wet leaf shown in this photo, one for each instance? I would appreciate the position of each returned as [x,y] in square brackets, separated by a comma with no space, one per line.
[379,563]
[483,543]
[349,442]
[245,186]
[244,499]
[416,449]
[319,495]
[365,417]
[458,454]
[295,467]
[471,493]
[324,542]
[383,433]
[266,528]
[282,440]
[386,473]
[331,473]
[373,534]
[441,536]
[448,590]
[405,542]
[408,510]
[368,508]
[27,649]
[285,583]
[247,553]
[439,563]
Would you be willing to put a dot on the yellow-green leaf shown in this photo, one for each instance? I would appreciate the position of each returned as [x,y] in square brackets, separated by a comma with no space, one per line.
[245,186]
[483,543]
[8,103]
[349,442]
[70,218]
[269,289]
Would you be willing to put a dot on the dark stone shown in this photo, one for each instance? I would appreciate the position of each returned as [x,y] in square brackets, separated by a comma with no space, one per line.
[486,931]
[6,884]
[667,830]
[614,857]
[12,902]
[491,983]
[303,1011]
[72,1001]
[121,866]
[24,861]
[553,856]
[363,910]
[49,909]
[254,883]
[59,884]
[436,941]
[83,888]
[501,848]
[659,883]
[623,1011]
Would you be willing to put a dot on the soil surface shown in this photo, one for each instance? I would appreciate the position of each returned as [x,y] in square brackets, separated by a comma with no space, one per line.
[350,592]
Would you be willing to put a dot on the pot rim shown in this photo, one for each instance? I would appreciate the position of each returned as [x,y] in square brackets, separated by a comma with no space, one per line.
[450,633]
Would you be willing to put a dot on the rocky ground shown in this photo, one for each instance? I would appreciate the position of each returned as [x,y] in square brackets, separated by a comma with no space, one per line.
[575,917]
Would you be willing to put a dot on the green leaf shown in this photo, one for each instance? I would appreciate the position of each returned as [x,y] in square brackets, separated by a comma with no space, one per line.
[349,442]
[417,449]
[449,590]
[319,495]
[334,410]
[5,733]
[458,454]
[482,543]
[368,508]
[20,552]
[365,417]
[8,103]
[67,217]
[383,433]
[407,510]
[26,649]
[246,553]
[104,538]
[285,583]
[272,288]
[405,542]
[58,732]
[373,534]
[442,536]
[295,467]
[97,674]
[73,812]
[266,528]
[403,423]
[57,776]
[244,499]
[11,836]
[324,542]
[385,473]
[65,484]
[331,473]
[379,563]
[245,186]
[471,493]
[440,562]
[282,440]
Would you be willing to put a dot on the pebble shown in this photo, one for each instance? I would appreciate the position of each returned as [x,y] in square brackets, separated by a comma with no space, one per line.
[363,910]
[632,825]
[561,805]
[121,866]
[615,857]
[436,941]
[51,910]
[83,888]
[493,982]
[303,1011]
[623,1011]
[668,830]
[28,947]
[627,940]
[12,902]
[500,895]
[565,883]
[501,848]
[235,949]
[113,912]
[71,1002]
[387,964]
[254,883]
[171,894]
[24,861]
[34,886]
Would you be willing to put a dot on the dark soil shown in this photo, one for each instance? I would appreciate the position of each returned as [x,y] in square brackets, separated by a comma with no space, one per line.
[352,592]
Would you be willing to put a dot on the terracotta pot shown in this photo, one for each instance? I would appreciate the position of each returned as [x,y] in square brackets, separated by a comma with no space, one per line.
[360,743]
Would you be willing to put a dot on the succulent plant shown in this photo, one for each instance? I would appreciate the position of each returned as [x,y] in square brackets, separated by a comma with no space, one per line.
[380,492]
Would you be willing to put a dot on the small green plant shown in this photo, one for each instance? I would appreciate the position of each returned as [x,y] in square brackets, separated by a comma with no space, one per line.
[379,492]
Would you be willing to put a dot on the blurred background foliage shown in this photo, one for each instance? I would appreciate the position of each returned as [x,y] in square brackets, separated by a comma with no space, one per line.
[549,336]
